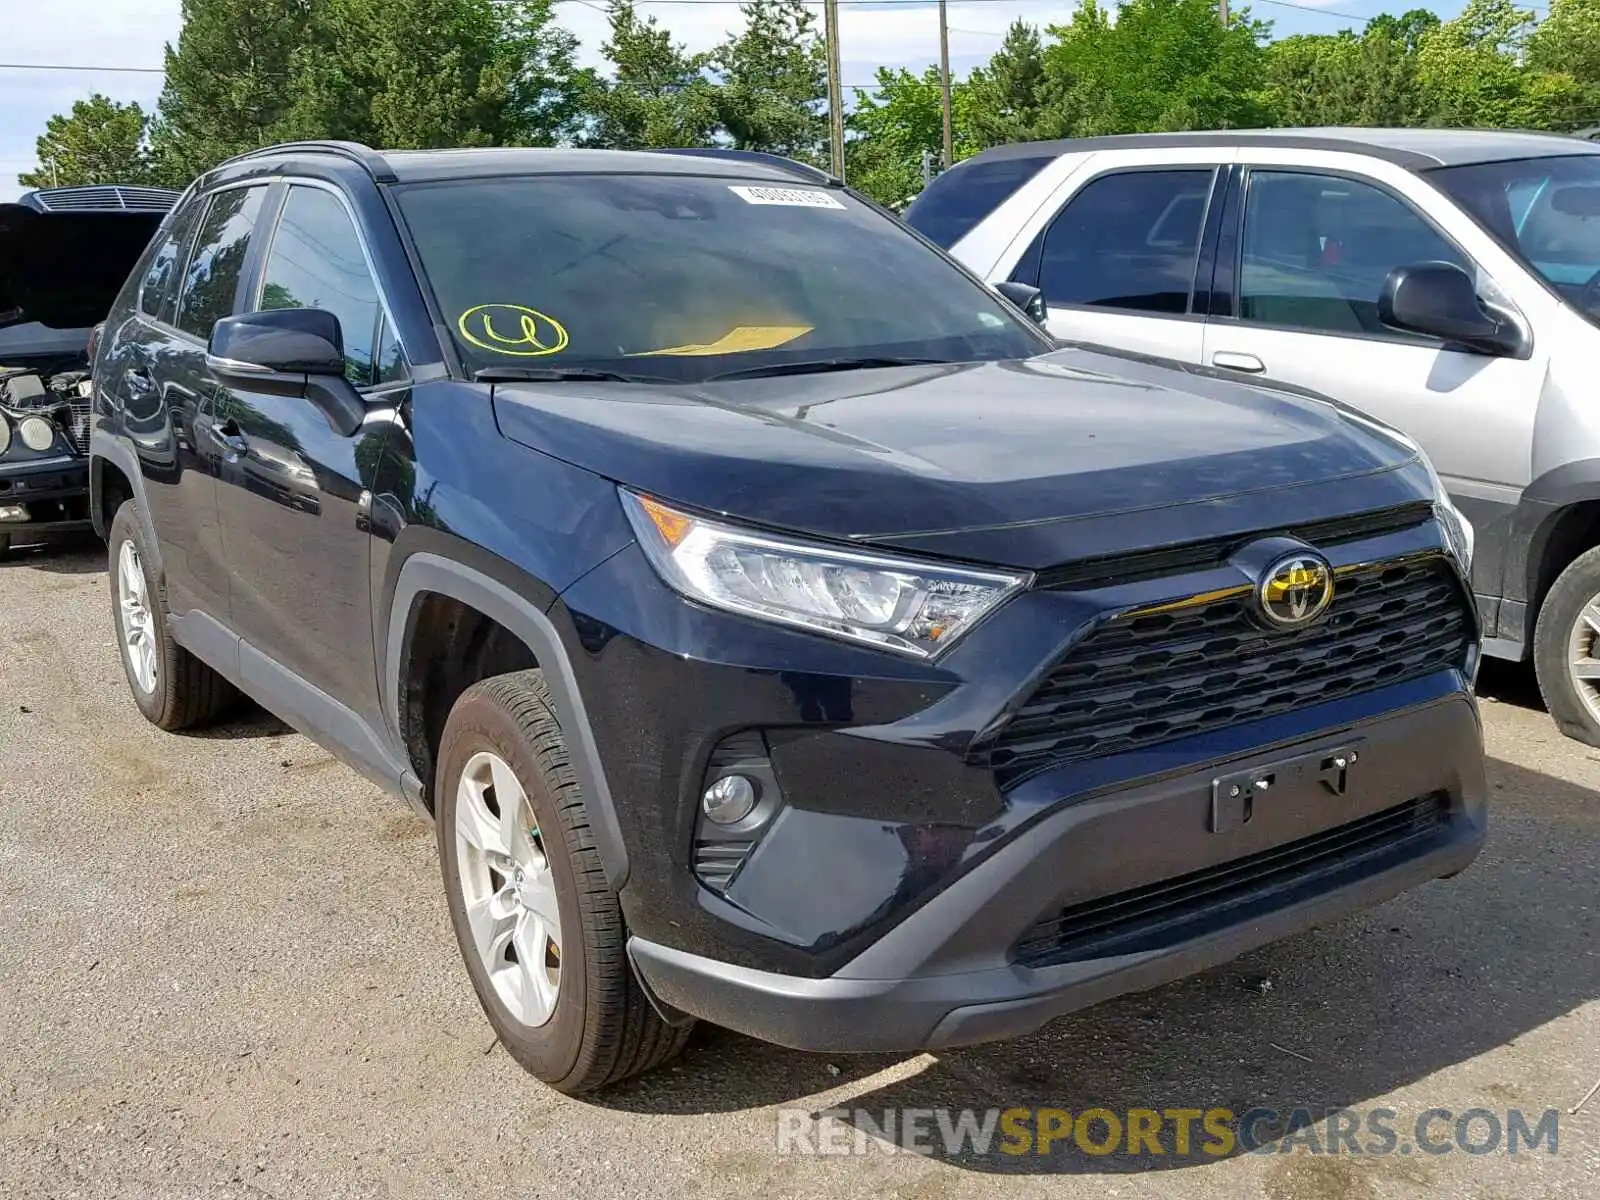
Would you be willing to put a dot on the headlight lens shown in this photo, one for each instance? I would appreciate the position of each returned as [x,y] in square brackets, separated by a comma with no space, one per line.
[5,435]
[37,433]
[914,608]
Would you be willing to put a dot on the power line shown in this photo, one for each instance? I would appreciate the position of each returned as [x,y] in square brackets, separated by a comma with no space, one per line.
[1321,12]
[78,67]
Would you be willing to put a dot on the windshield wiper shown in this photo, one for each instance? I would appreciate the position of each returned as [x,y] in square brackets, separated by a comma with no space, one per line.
[561,375]
[818,365]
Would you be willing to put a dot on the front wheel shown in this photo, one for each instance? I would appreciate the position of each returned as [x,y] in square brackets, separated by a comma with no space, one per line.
[1566,649]
[538,925]
[173,688]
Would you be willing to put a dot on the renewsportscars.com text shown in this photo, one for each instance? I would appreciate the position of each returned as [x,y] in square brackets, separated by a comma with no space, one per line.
[1172,1132]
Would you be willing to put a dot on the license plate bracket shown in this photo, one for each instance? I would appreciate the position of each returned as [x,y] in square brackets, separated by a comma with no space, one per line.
[1234,796]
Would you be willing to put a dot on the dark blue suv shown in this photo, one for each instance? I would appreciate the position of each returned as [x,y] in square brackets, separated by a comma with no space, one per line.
[781,630]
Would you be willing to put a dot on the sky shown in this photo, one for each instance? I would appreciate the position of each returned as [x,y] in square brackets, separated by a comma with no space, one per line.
[131,33]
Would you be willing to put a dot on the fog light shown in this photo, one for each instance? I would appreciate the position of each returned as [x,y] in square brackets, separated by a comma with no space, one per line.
[13,512]
[729,800]
[37,433]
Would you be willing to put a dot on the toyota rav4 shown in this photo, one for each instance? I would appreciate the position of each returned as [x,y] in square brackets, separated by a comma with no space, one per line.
[779,628]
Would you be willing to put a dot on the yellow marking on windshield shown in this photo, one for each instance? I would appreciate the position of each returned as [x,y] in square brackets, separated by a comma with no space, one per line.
[740,340]
[512,329]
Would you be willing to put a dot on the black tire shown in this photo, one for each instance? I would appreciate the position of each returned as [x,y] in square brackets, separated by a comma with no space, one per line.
[186,692]
[1572,590]
[603,1028]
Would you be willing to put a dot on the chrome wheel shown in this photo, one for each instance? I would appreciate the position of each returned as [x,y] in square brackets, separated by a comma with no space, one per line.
[508,891]
[138,621]
[1583,657]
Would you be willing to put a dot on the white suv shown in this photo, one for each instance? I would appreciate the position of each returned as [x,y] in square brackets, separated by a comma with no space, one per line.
[1446,281]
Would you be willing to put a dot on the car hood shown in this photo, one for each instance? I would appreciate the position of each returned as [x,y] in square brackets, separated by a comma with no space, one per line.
[1074,454]
[64,269]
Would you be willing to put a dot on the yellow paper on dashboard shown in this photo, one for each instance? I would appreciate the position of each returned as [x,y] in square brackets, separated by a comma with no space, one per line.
[740,340]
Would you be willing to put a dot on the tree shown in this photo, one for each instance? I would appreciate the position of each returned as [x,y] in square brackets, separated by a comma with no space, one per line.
[773,82]
[1471,71]
[99,141]
[427,73]
[1567,42]
[226,82]
[1161,65]
[1344,79]
[1012,97]
[658,95]
[891,128]
[1406,29]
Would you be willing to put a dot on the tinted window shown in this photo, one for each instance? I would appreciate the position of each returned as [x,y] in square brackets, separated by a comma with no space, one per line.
[1317,249]
[952,204]
[391,364]
[212,279]
[1128,241]
[1546,211]
[687,277]
[158,294]
[315,261]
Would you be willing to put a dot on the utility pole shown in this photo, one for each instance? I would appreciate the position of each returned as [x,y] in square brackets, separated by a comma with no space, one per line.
[1222,11]
[835,91]
[944,78]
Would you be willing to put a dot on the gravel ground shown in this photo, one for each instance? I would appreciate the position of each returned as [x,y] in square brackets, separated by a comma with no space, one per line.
[228,971]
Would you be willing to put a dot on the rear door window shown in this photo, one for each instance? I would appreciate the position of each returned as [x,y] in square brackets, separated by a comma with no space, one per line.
[158,293]
[1127,240]
[211,282]
[953,204]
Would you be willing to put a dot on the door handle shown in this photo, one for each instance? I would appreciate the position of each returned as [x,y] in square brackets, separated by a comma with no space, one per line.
[1233,361]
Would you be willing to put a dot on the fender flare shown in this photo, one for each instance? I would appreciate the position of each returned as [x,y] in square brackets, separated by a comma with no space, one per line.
[104,448]
[428,572]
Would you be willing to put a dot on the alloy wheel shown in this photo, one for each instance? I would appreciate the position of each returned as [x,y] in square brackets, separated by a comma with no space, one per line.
[508,890]
[138,621]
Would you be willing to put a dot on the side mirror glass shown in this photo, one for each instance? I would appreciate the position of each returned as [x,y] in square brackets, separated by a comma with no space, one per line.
[1026,297]
[1439,299]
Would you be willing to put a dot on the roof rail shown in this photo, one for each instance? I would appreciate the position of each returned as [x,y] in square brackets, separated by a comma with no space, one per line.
[373,162]
[792,166]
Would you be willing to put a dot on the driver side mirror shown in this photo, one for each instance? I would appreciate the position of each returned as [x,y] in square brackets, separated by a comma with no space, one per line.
[1439,299]
[1026,297]
[288,352]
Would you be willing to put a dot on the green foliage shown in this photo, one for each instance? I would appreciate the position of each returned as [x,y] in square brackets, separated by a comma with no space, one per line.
[1470,70]
[658,94]
[889,130]
[1567,42]
[1162,64]
[773,82]
[1012,98]
[1344,79]
[99,141]
[425,73]
[226,87]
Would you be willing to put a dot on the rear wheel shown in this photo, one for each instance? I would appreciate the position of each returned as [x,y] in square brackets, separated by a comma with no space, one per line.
[1566,649]
[172,688]
[539,927]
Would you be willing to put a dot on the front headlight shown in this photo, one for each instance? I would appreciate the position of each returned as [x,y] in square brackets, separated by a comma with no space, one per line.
[910,607]
[5,434]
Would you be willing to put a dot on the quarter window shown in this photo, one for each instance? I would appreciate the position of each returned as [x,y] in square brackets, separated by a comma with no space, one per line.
[316,262]
[1127,240]
[211,281]
[158,293]
[1317,249]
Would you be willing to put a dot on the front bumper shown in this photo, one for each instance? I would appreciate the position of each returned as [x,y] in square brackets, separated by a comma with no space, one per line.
[1157,886]
[54,491]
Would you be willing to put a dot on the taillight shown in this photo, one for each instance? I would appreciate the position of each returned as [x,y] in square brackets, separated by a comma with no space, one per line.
[94,340]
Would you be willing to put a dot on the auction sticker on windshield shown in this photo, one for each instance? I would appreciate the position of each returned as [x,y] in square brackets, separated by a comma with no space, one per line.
[794,197]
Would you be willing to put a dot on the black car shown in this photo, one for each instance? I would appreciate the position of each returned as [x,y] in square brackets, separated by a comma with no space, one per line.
[63,254]
[781,630]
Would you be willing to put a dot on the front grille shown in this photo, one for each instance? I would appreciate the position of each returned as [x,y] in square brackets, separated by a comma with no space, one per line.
[77,427]
[1162,914]
[104,198]
[1140,680]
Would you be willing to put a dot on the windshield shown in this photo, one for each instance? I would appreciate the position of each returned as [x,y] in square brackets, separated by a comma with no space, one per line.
[1546,211]
[684,278]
